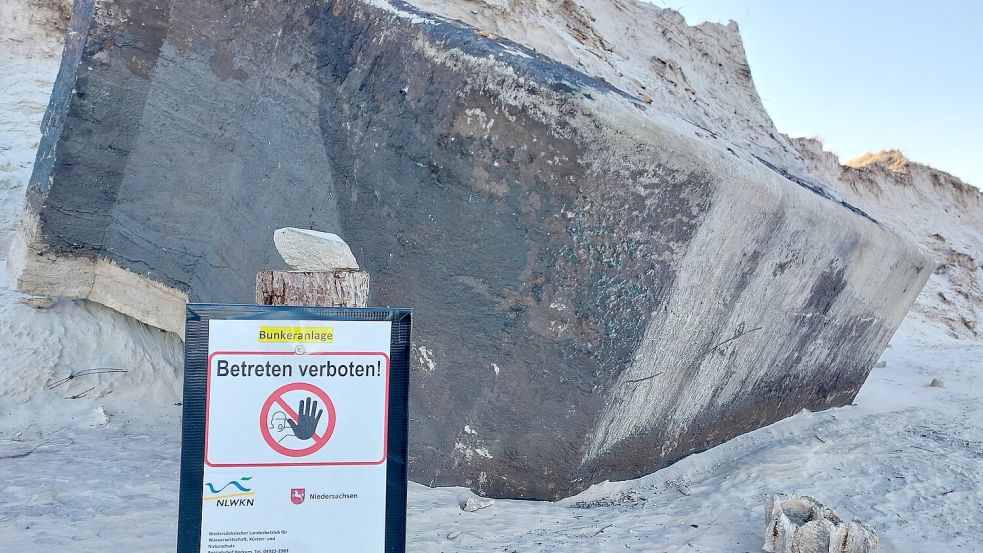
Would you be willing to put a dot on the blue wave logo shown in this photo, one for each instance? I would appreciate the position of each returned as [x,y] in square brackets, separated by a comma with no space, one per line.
[232,483]
[240,489]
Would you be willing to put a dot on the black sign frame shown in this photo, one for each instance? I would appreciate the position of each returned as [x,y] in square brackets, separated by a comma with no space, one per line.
[195,392]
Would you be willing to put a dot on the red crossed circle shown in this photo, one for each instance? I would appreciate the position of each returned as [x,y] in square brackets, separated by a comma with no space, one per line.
[276,398]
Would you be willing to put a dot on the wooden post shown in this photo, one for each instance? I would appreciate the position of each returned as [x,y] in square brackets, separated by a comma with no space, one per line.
[336,288]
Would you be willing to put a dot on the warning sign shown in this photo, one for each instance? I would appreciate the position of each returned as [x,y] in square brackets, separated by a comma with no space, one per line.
[298,426]
[314,408]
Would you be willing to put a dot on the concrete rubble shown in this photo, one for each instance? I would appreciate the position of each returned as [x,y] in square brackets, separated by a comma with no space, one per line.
[803,525]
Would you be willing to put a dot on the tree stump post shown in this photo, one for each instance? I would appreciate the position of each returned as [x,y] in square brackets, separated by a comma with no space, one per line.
[335,288]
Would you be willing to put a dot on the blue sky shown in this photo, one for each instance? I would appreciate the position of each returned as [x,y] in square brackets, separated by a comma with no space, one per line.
[867,75]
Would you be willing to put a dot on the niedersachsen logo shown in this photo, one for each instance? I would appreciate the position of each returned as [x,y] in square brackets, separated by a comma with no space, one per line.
[298,495]
[234,494]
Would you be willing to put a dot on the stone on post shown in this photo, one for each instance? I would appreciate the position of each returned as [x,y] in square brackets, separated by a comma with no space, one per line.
[311,250]
[326,272]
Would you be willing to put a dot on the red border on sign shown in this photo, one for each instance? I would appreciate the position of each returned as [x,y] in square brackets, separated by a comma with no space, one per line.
[385,434]
[277,397]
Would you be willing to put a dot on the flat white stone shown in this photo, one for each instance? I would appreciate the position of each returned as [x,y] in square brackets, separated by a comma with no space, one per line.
[475,503]
[311,250]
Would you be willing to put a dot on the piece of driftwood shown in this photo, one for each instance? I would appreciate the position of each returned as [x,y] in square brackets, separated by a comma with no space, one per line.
[337,288]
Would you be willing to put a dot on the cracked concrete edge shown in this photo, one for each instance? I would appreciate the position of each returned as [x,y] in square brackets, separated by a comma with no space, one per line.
[32,270]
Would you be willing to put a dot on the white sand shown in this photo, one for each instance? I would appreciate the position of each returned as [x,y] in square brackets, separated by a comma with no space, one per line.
[40,346]
[907,458]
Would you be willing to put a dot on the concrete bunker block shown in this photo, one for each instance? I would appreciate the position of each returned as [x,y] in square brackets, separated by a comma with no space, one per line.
[600,288]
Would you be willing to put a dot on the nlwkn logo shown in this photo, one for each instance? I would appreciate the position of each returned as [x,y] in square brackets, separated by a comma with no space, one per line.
[297,495]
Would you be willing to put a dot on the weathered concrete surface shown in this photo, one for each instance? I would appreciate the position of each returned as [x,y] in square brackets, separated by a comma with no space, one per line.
[599,288]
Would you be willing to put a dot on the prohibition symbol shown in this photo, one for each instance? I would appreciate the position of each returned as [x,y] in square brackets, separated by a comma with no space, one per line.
[304,424]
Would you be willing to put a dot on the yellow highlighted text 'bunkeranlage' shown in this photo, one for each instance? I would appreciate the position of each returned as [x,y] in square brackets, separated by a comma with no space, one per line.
[296,334]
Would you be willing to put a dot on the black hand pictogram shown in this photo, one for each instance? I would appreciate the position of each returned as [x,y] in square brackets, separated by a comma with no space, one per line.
[306,423]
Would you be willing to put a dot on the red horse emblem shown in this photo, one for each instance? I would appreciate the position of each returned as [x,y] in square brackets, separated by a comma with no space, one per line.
[297,495]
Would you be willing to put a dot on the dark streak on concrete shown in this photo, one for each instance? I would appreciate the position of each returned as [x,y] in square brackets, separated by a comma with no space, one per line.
[529,63]
[815,188]
[74,222]
[54,117]
[222,63]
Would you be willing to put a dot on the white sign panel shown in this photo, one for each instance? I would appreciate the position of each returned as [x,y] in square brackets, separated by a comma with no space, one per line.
[296,430]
